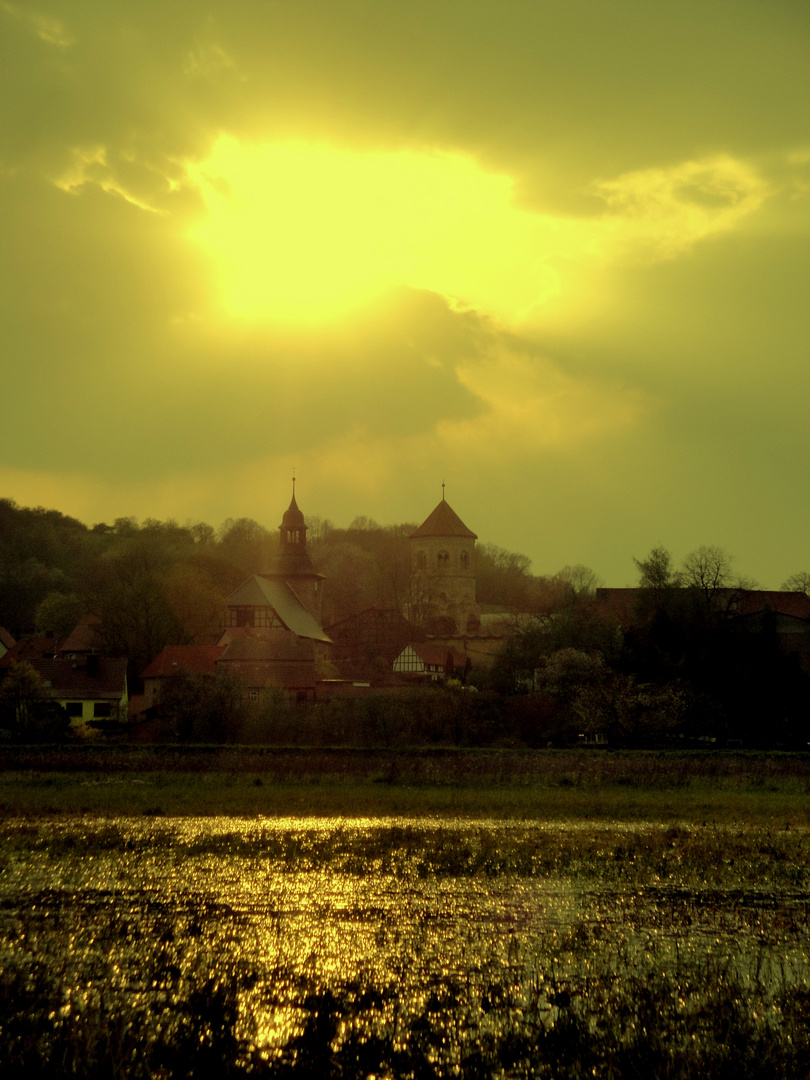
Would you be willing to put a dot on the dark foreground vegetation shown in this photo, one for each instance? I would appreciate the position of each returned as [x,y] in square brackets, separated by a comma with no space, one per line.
[697,1020]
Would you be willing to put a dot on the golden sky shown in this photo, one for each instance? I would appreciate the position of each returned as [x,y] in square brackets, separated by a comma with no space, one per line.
[554,254]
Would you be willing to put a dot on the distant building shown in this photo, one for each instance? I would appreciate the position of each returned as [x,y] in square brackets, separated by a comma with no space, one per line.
[754,611]
[272,633]
[442,632]
[92,691]
[430,660]
[90,688]
[443,592]
[367,644]
[84,639]
[443,575]
[170,662]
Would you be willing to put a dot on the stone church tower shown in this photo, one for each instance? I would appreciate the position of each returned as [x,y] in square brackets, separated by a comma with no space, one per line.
[443,575]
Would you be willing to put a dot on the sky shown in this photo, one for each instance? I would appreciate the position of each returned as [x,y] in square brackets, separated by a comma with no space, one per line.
[554,255]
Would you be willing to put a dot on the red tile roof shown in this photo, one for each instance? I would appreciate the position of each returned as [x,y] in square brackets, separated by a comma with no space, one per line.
[200,659]
[85,636]
[444,521]
[33,648]
[436,655]
[71,679]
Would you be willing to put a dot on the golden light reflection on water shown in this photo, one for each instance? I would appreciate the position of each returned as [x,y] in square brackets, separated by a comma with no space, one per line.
[420,919]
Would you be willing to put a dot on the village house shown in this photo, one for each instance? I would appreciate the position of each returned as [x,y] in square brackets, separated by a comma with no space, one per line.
[171,661]
[90,688]
[92,691]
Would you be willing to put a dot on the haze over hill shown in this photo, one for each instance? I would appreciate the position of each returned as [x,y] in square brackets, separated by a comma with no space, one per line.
[552,254]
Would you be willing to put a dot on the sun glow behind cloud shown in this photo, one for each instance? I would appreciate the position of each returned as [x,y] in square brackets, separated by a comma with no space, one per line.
[305,233]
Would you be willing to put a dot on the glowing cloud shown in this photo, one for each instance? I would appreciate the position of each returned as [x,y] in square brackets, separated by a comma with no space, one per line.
[304,232]
[661,213]
[91,166]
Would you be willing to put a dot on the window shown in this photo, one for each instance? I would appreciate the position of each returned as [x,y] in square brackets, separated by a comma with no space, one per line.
[444,559]
[73,708]
[465,560]
[253,695]
[102,709]
[251,616]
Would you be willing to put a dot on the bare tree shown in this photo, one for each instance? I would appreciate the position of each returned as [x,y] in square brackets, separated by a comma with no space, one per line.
[709,571]
[797,583]
[581,580]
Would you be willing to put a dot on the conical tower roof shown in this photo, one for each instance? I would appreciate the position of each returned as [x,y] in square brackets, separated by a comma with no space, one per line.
[293,518]
[444,521]
[293,559]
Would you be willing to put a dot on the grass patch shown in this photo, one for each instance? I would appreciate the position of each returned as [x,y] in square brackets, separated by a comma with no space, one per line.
[539,785]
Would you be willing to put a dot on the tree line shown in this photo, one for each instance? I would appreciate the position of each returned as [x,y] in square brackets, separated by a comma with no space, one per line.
[53,569]
[681,670]
[156,583]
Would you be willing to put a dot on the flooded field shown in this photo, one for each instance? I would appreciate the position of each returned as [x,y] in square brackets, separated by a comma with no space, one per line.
[226,947]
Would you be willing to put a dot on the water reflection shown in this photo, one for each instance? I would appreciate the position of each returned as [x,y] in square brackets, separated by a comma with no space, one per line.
[415,937]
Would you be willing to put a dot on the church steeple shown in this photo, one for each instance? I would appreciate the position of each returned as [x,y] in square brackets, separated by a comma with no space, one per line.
[293,563]
[293,529]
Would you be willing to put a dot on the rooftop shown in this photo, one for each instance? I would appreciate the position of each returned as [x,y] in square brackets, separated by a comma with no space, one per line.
[444,521]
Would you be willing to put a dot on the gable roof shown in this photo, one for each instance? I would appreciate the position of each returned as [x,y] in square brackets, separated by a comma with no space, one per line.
[68,679]
[269,650]
[33,648]
[421,656]
[85,635]
[444,521]
[437,655]
[200,659]
[260,591]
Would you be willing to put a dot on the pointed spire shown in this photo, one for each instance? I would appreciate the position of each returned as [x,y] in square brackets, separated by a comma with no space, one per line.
[292,515]
[444,521]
